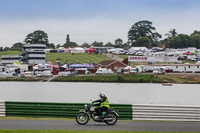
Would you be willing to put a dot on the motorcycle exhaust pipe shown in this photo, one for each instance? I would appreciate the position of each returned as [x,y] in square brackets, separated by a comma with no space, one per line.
[108,119]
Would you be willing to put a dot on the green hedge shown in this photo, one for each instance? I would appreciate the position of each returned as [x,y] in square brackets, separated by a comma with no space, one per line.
[57,110]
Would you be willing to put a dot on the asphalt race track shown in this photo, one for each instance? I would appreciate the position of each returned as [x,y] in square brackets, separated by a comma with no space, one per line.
[94,126]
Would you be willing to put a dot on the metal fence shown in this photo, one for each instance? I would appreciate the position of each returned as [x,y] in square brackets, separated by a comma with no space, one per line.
[59,110]
[2,108]
[166,113]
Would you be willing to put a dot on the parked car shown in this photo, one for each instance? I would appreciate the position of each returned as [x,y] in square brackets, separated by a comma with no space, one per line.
[133,71]
[39,73]
[129,70]
[168,70]
[73,73]
[28,74]
[104,71]
[130,53]
[47,74]
[122,52]
[65,73]
[5,75]
[68,73]
[159,70]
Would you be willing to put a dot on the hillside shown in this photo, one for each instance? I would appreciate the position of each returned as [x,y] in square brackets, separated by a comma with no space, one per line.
[75,58]
[67,57]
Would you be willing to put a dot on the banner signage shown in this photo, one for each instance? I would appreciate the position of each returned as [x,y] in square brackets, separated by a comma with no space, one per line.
[152,59]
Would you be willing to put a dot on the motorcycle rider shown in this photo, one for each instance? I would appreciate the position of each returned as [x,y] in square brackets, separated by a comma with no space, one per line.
[103,103]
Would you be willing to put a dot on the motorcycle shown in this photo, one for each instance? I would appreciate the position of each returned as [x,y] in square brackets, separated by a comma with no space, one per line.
[110,116]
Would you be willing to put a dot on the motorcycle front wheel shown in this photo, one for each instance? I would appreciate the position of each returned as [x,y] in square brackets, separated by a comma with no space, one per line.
[82,118]
[112,117]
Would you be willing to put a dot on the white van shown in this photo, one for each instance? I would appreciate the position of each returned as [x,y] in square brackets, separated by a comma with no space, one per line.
[104,71]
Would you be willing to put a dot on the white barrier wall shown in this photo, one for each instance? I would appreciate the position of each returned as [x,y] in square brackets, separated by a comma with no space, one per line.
[2,108]
[166,113]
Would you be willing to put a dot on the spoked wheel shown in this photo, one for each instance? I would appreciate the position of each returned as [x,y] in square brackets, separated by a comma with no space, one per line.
[82,118]
[112,119]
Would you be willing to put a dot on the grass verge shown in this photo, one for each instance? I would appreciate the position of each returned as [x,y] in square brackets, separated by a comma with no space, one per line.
[29,79]
[131,78]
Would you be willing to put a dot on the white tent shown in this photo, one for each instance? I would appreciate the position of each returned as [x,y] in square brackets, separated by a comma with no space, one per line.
[77,50]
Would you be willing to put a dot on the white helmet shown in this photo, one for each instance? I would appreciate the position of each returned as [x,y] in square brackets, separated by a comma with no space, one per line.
[101,94]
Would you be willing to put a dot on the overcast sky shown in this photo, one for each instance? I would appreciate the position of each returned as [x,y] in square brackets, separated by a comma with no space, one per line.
[93,20]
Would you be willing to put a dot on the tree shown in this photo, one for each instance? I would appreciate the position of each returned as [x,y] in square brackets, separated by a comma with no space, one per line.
[172,33]
[184,41]
[17,46]
[57,46]
[195,32]
[50,46]
[1,49]
[143,28]
[180,41]
[6,49]
[109,44]
[173,42]
[37,37]
[86,45]
[143,42]
[126,46]
[118,43]
[97,44]
[195,40]
[70,44]
[67,39]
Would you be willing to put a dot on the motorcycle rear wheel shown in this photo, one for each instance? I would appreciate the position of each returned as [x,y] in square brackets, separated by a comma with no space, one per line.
[114,119]
[82,118]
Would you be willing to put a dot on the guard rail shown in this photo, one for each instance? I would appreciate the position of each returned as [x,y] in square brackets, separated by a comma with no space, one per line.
[166,113]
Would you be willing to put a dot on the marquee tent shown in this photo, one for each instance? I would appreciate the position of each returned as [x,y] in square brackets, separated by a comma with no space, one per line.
[77,50]
[90,50]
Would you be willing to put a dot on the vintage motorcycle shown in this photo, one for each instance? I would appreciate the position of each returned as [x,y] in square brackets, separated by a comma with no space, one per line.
[110,115]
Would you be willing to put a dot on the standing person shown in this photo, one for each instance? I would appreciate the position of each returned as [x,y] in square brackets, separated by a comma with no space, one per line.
[103,103]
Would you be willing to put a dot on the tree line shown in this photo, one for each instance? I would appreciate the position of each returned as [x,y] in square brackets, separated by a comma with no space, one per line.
[141,34]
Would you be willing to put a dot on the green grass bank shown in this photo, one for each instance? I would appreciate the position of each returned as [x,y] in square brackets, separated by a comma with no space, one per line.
[132,78]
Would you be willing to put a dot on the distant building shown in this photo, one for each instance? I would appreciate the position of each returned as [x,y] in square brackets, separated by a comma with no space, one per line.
[111,64]
[33,54]
[10,59]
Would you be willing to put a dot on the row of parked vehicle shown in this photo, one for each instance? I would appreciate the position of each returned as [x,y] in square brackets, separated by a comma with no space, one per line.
[68,73]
